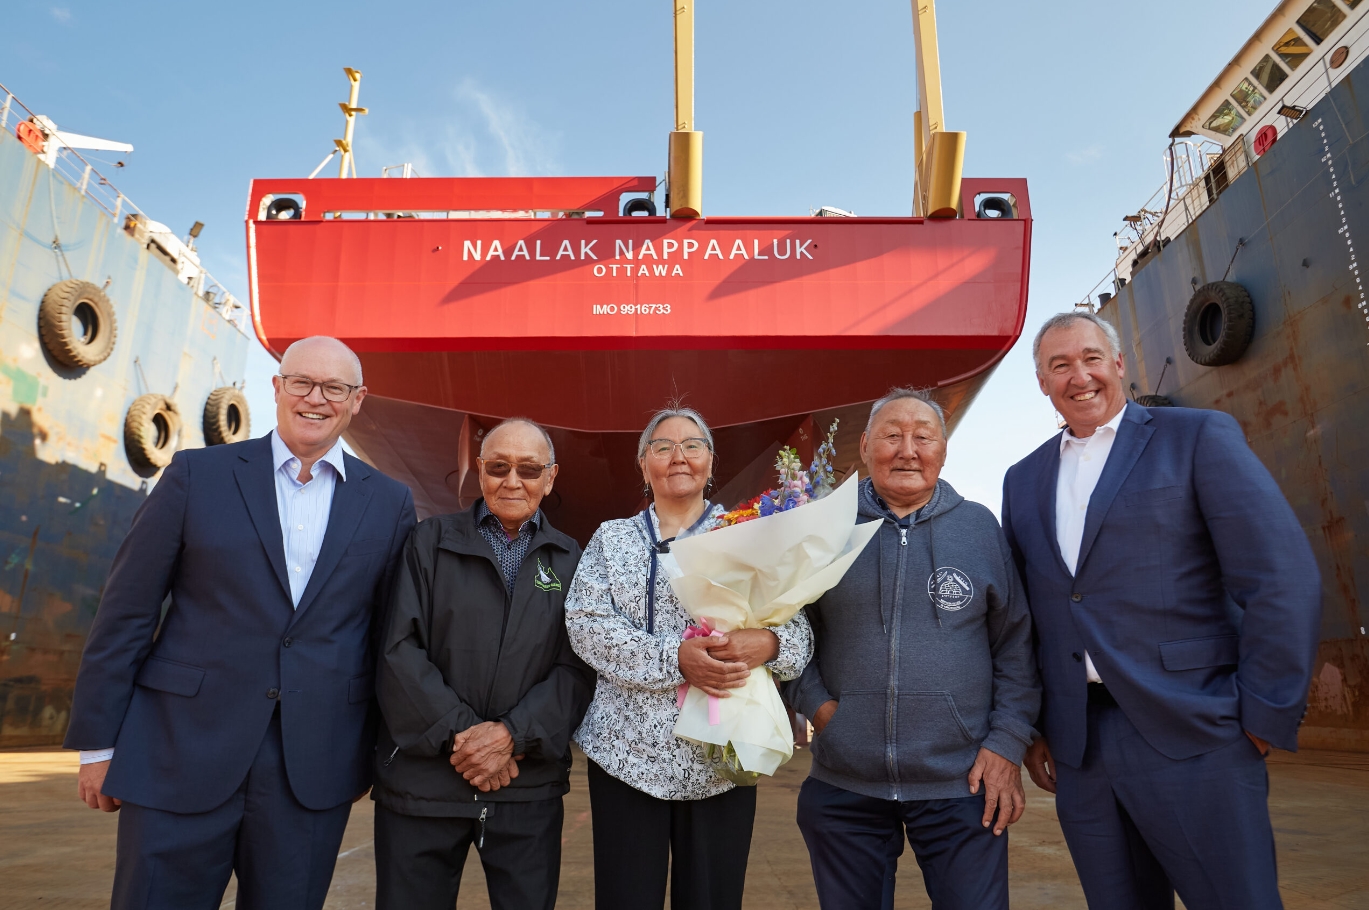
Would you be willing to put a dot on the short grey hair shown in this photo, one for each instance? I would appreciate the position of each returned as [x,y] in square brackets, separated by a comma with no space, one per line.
[1061,320]
[525,421]
[355,359]
[665,414]
[900,392]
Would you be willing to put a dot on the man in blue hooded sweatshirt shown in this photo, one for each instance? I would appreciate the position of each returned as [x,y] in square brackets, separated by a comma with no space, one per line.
[923,688]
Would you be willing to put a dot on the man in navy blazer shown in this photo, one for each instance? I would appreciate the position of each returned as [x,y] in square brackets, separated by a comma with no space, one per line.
[225,696]
[1177,606]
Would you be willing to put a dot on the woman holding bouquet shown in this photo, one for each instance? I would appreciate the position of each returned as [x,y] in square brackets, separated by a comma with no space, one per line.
[654,796]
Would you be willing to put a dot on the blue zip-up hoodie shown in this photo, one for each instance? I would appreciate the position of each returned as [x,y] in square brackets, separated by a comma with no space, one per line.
[926,645]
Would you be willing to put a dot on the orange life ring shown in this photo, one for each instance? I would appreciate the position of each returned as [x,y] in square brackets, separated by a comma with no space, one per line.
[31,136]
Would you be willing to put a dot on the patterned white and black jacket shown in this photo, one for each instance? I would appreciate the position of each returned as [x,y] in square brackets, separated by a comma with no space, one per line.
[629,728]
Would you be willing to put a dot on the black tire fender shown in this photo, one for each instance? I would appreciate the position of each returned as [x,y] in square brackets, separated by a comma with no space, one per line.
[152,433]
[226,417]
[1219,324]
[1154,401]
[76,324]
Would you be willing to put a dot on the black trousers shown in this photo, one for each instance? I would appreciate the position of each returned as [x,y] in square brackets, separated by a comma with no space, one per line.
[638,837]
[1141,825]
[419,859]
[284,854]
[854,842]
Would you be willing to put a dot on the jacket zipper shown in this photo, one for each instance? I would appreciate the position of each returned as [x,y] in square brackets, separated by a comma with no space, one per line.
[891,720]
[391,758]
[479,844]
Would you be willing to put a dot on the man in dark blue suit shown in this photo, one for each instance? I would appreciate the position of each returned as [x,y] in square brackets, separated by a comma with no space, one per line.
[1177,605]
[236,728]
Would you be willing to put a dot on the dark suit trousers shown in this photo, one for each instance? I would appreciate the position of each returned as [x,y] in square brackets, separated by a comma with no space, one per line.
[419,859]
[1138,822]
[854,843]
[282,852]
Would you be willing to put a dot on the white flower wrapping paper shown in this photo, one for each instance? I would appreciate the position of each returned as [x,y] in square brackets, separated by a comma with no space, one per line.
[756,575]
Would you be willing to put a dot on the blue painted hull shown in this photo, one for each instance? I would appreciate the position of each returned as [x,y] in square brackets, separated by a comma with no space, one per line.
[67,490]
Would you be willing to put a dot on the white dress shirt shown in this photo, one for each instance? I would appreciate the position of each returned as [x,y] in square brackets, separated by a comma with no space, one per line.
[304,509]
[1081,464]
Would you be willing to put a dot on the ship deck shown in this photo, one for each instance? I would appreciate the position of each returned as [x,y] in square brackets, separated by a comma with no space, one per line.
[59,854]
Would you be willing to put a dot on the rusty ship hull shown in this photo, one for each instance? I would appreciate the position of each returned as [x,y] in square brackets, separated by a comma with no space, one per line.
[1289,229]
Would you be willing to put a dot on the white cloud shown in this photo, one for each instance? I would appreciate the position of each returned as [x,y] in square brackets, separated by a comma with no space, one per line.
[480,134]
[61,14]
[1085,155]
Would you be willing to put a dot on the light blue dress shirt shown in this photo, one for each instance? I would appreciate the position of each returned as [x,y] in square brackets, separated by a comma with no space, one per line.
[304,508]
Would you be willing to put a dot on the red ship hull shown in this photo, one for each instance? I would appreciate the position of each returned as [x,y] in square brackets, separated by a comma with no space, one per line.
[463,315]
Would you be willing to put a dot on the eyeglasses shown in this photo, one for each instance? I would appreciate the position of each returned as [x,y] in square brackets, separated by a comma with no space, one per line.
[693,448]
[502,469]
[303,387]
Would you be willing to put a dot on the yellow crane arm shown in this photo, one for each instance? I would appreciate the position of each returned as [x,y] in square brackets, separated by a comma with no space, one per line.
[939,155]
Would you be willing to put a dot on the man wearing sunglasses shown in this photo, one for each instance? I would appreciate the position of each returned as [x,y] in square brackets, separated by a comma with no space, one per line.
[225,698]
[480,692]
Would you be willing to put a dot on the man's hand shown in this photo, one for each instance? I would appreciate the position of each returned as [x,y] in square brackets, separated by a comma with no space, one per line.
[484,751]
[90,784]
[500,778]
[753,647]
[1002,789]
[824,715]
[701,669]
[1040,765]
[360,796]
[1261,744]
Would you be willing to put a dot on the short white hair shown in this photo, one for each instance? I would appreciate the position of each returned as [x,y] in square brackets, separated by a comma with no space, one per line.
[1061,320]
[528,422]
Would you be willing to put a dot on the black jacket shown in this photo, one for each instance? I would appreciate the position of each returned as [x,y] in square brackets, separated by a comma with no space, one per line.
[450,660]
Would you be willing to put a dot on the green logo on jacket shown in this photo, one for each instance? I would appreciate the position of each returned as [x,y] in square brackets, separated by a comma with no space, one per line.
[546,579]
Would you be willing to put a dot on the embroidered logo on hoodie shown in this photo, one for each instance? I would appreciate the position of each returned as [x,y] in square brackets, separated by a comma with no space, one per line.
[950,589]
[546,579]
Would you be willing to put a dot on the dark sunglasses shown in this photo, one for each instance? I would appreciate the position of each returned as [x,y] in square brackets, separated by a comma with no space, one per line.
[502,468]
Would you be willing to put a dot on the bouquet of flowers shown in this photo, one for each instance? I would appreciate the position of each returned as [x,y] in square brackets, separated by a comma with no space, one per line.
[752,574]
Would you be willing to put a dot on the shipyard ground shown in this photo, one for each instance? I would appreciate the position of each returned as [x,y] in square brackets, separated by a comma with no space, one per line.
[56,853]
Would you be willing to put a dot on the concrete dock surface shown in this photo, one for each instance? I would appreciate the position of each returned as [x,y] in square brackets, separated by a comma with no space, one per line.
[56,853]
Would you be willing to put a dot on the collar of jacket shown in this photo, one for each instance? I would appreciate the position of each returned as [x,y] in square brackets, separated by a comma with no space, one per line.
[460,535]
[872,505]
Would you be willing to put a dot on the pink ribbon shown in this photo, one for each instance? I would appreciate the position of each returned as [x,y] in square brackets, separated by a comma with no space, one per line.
[702,630]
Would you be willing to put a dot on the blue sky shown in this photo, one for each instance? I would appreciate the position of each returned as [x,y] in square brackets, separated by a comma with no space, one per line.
[802,104]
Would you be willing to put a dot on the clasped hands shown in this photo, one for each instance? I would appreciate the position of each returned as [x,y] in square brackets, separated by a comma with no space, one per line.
[717,663]
[483,755]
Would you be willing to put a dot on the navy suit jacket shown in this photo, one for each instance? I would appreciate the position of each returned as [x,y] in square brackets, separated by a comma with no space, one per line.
[186,705]
[1196,592]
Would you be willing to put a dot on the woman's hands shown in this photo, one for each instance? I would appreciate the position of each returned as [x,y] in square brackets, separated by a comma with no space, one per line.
[752,647]
[720,662]
[702,669]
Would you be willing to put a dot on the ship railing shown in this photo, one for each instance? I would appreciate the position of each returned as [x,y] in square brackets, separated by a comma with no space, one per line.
[90,183]
[1203,169]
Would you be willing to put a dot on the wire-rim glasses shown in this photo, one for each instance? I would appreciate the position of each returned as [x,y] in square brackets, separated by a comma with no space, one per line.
[692,448]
